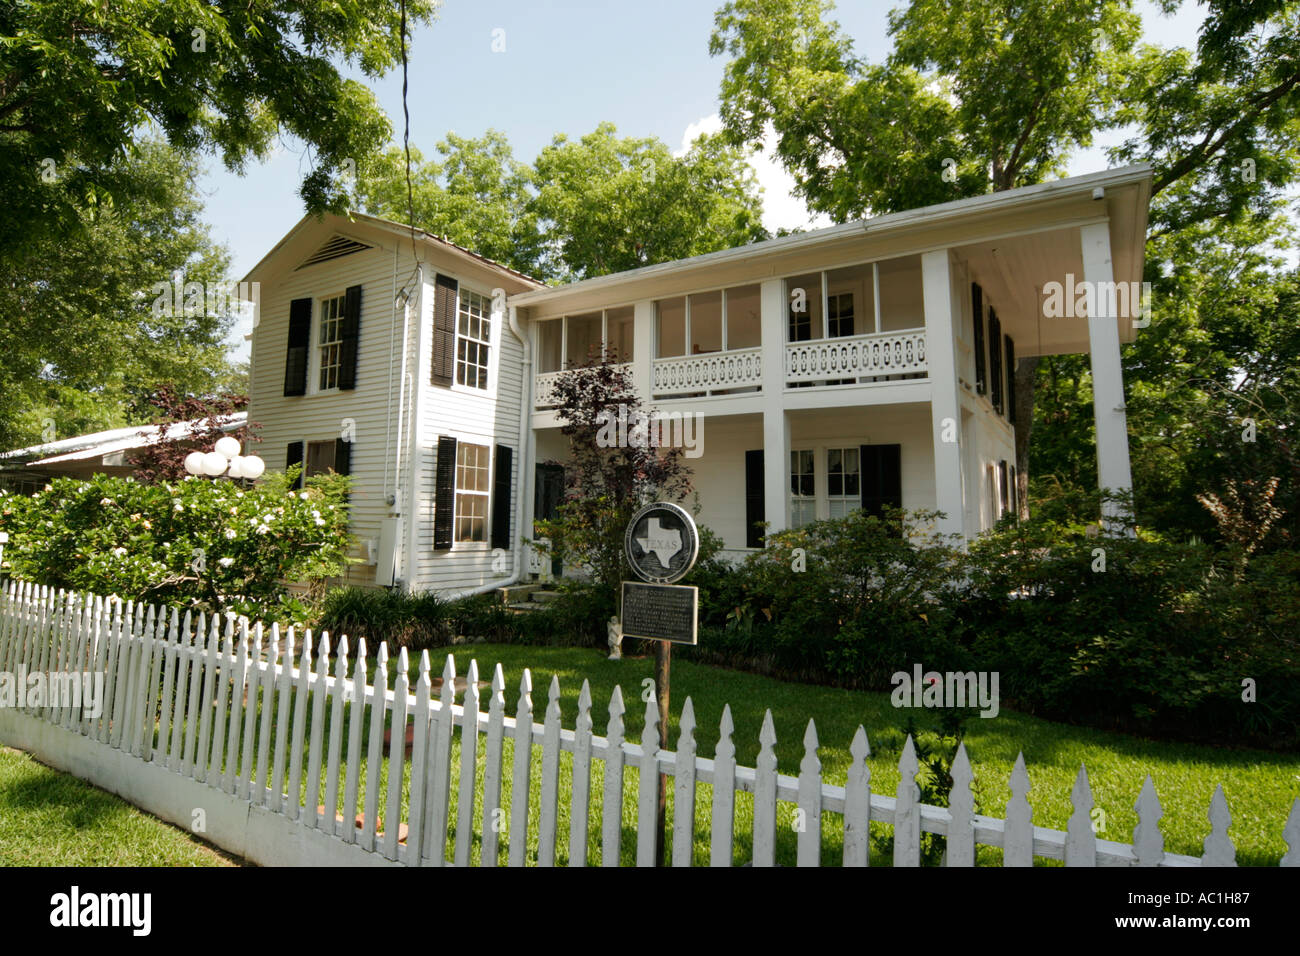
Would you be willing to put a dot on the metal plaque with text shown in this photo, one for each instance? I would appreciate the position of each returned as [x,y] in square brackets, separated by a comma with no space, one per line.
[661,612]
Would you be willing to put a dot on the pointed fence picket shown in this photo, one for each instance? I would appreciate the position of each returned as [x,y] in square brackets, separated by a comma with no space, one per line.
[215,713]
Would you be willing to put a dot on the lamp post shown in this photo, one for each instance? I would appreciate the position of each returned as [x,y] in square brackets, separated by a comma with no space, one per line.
[225,459]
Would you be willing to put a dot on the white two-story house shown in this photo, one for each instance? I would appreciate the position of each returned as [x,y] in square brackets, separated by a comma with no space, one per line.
[862,365]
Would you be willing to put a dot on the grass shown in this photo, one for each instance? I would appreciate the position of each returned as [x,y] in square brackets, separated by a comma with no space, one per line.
[48,818]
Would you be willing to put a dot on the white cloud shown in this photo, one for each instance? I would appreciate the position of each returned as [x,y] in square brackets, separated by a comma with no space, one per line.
[781,207]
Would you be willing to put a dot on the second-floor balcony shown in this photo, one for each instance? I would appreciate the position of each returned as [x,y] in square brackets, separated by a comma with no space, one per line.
[858,325]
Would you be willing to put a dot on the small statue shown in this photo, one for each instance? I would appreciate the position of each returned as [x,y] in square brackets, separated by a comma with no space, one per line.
[615,631]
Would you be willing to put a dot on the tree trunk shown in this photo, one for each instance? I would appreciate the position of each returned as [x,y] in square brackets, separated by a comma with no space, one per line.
[1026,377]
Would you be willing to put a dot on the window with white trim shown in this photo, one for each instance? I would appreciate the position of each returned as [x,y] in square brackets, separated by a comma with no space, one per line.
[331,341]
[839,314]
[843,481]
[803,489]
[473,486]
[473,339]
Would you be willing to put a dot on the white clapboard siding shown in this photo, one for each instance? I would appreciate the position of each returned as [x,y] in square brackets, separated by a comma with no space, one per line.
[199,707]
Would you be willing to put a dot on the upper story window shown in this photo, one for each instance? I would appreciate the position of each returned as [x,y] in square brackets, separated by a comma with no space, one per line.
[474,337]
[839,314]
[332,312]
[472,489]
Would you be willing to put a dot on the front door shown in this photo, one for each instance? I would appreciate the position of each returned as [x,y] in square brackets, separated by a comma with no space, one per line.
[548,495]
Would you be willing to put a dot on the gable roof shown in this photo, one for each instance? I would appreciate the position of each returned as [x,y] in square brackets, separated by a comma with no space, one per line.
[337,228]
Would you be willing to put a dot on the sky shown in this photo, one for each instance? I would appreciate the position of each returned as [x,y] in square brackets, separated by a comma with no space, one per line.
[566,66]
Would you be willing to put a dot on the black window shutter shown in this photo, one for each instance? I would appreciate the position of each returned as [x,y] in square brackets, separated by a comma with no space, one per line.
[1011,379]
[501,498]
[1015,492]
[1002,485]
[882,477]
[444,494]
[295,360]
[294,457]
[444,331]
[977,313]
[995,361]
[350,335]
[342,457]
[754,498]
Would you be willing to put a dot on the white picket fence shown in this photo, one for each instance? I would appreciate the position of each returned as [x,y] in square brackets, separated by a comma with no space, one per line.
[183,736]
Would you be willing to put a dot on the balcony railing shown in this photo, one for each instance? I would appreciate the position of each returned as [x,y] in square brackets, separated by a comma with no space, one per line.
[877,357]
[714,373]
[546,383]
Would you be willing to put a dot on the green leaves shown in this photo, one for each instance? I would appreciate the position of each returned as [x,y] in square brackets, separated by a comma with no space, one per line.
[210,545]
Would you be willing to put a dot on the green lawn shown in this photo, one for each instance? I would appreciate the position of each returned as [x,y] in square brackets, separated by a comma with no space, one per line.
[48,818]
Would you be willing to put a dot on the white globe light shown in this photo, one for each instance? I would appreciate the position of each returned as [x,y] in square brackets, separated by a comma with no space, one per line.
[253,467]
[236,467]
[194,462]
[227,447]
[214,464]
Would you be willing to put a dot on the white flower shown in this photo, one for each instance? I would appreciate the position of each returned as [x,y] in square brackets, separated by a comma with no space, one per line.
[262,529]
[118,552]
[226,562]
[320,521]
[230,534]
[105,501]
[178,506]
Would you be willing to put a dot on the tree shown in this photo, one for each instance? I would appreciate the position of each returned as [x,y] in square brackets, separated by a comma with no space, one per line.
[164,460]
[586,207]
[611,471]
[87,325]
[607,204]
[477,195]
[78,81]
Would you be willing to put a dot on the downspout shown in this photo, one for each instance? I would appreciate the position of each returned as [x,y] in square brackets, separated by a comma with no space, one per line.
[413,439]
[525,458]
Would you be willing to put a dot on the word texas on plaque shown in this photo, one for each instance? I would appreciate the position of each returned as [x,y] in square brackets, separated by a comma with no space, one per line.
[660,612]
[661,543]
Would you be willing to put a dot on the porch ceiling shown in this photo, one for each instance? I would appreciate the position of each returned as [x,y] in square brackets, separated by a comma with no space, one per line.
[1013,271]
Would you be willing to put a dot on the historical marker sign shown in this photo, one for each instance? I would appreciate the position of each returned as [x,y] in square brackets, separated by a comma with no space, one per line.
[661,543]
[660,612]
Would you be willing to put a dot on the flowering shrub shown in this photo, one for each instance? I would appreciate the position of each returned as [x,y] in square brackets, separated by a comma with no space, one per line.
[196,543]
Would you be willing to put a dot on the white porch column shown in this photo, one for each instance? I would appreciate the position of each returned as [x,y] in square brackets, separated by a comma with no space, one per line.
[942,313]
[776,424]
[643,347]
[1107,375]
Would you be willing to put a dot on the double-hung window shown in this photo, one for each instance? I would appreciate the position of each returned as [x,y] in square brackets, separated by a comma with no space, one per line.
[843,481]
[474,337]
[473,486]
[839,314]
[331,341]
[803,489]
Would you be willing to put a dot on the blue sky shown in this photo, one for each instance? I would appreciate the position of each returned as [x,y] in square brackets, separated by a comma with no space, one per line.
[567,65]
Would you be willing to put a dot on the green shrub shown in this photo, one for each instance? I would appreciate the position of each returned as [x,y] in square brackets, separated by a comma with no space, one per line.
[198,543]
[414,621]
